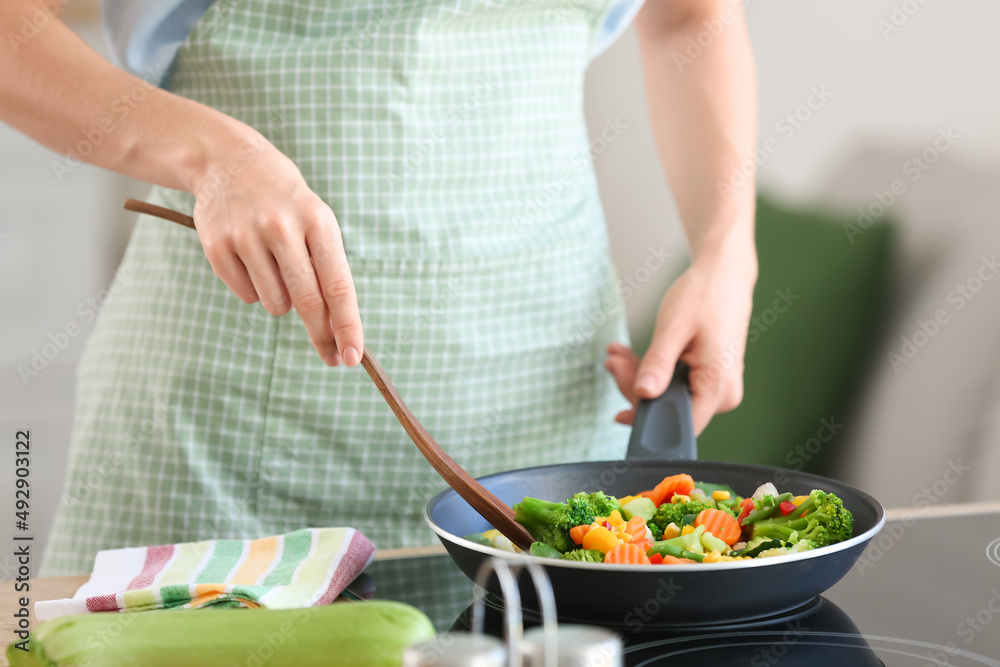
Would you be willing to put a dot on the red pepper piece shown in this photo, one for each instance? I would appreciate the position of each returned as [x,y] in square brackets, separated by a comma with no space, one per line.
[786,507]
[656,559]
[747,506]
[607,525]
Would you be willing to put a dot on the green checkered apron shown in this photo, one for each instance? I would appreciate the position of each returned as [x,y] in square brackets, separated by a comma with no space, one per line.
[448,137]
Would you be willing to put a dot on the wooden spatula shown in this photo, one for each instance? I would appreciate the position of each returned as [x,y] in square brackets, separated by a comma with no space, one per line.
[488,505]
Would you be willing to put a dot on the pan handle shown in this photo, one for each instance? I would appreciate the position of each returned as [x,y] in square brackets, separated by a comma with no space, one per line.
[663,429]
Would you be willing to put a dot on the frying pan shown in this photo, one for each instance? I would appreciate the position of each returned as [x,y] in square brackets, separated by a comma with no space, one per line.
[631,596]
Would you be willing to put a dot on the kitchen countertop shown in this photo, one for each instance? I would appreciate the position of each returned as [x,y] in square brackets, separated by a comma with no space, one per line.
[433,568]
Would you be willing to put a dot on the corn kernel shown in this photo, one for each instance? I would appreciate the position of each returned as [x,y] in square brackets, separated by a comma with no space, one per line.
[720,495]
[680,498]
[671,531]
[712,557]
[626,500]
[798,500]
[687,530]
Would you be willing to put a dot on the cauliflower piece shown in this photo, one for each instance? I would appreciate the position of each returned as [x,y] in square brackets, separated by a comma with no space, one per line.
[766,489]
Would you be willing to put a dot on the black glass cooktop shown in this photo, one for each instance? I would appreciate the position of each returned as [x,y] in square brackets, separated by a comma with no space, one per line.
[925,593]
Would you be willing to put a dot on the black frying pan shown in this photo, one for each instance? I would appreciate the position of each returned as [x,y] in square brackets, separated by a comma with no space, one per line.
[632,595]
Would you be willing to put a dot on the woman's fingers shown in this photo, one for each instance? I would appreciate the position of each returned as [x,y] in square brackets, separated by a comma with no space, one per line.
[293,260]
[714,389]
[336,285]
[622,364]
[705,398]
[657,366]
[300,280]
[271,238]
[618,348]
[230,269]
[266,276]
[626,417]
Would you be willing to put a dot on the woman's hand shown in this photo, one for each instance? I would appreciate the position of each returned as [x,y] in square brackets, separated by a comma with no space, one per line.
[272,239]
[266,234]
[704,116]
[703,322]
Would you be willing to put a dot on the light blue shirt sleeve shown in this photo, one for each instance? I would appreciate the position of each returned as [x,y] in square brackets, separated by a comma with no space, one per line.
[618,18]
[145,35]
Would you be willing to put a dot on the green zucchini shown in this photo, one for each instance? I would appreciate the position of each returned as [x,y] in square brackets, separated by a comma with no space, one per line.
[373,634]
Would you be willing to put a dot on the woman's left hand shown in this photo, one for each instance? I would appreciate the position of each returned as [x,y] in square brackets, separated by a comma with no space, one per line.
[703,322]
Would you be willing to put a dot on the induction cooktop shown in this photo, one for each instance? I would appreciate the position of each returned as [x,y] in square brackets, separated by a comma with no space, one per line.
[925,593]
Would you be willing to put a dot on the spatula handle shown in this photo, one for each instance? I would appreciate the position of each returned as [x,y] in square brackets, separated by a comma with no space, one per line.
[159,212]
[494,510]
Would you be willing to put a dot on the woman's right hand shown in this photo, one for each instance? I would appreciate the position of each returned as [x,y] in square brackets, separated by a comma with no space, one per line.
[272,239]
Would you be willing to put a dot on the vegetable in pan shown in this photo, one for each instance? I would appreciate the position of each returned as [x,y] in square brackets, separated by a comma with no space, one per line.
[551,522]
[680,521]
[820,518]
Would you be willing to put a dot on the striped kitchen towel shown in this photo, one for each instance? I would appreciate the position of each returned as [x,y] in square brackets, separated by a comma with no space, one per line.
[305,568]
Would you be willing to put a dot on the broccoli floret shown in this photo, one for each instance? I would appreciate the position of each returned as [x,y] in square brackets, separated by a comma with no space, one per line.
[550,522]
[585,556]
[546,522]
[594,505]
[821,518]
[669,513]
[656,531]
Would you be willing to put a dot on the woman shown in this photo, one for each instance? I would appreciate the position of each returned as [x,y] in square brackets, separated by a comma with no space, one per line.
[416,167]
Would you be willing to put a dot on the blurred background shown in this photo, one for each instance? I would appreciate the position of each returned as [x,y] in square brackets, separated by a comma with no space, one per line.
[872,355]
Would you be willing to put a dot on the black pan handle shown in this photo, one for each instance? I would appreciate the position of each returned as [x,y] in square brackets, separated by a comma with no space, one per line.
[663,429]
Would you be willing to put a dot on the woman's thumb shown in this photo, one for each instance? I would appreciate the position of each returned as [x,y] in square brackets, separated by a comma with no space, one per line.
[657,366]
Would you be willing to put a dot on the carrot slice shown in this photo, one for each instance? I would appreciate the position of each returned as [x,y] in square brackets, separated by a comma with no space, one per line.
[665,490]
[645,545]
[636,527]
[674,560]
[720,523]
[577,533]
[627,554]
